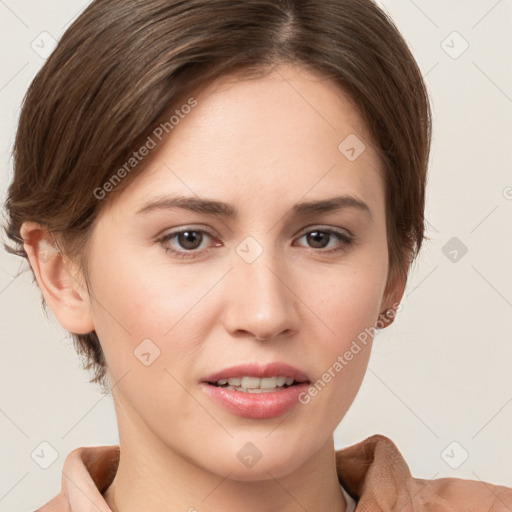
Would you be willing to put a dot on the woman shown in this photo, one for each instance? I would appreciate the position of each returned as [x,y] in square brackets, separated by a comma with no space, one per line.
[230,195]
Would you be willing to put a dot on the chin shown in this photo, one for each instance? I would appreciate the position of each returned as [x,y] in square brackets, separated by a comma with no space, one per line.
[261,471]
[248,464]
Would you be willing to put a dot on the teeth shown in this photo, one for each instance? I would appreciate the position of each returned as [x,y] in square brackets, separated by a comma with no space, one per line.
[268,382]
[250,382]
[254,390]
[255,384]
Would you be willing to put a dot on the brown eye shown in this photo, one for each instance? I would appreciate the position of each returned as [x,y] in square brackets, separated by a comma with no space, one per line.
[318,239]
[321,238]
[189,240]
[186,243]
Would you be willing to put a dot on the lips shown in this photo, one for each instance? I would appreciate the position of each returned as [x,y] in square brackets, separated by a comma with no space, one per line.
[254,370]
[256,391]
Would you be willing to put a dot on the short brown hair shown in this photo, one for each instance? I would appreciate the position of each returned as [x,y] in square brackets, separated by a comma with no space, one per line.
[122,63]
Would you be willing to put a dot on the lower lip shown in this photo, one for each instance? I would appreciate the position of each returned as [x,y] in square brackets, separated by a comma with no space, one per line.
[256,405]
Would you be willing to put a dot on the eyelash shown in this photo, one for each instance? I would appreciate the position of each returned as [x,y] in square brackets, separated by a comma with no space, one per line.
[345,239]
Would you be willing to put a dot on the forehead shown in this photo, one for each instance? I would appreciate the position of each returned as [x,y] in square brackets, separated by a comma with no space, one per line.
[288,134]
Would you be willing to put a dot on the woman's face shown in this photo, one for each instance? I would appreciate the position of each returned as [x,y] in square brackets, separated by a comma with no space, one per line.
[176,311]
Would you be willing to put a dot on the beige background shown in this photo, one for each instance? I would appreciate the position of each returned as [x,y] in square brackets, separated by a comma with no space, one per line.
[440,374]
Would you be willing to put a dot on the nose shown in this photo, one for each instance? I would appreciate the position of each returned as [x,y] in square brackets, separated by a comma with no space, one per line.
[261,303]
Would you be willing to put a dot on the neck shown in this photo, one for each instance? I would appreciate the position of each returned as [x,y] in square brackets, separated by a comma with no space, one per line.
[142,486]
[152,477]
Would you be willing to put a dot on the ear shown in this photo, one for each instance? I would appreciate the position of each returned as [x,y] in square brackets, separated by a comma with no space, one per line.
[67,297]
[391,300]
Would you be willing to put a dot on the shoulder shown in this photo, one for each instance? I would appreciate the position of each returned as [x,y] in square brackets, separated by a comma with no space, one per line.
[87,471]
[375,473]
[452,494]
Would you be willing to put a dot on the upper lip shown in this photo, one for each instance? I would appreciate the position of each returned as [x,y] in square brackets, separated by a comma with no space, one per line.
[276,369]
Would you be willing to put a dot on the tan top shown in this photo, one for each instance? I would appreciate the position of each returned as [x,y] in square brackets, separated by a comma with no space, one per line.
[373,472]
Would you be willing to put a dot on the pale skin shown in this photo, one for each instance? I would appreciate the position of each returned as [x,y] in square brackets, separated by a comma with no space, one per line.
[261,146]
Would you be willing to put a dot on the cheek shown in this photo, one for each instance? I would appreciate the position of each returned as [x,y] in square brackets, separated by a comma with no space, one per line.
[348,299]
[142,298]
[347,312]
[145,319]
[152,320]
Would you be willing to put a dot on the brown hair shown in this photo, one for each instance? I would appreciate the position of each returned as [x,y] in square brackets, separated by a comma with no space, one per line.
[123,63]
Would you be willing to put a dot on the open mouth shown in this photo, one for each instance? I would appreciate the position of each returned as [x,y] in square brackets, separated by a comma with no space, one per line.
[249,384]
[256,391]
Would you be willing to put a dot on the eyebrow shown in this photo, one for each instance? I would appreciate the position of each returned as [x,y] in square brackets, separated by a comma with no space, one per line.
[221,209]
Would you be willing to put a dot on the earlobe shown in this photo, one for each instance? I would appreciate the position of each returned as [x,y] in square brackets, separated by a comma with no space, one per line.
[391,303]
[65,295]
[386,318]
